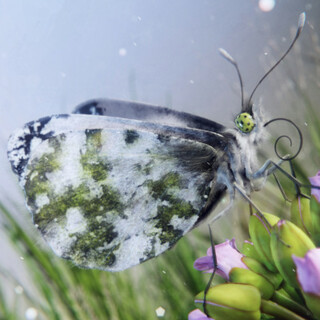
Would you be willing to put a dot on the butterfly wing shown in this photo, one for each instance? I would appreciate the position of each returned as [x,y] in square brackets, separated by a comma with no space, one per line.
[110,193]
[146,112]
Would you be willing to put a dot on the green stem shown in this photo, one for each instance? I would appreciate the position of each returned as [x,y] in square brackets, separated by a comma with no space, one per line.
[274,309]
[290,304]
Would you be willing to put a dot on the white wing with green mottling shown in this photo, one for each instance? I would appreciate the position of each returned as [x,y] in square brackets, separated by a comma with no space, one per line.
[116,193]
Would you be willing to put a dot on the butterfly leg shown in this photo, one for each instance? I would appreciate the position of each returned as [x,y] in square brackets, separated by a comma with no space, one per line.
[225,179]
[215,266]
[258,211]
[265,171]
[287,174]
[285,197]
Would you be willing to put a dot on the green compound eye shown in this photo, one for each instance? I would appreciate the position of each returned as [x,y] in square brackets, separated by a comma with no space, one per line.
[244,122]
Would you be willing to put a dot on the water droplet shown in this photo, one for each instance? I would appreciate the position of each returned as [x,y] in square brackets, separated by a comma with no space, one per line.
[122,52]
[266,53]
[266,5]
[18,290]
[160,312]
[31,314]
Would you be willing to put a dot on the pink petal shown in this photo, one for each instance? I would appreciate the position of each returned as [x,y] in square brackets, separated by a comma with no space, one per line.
[209,252]
[308,271]
[316,182]
[228,257]
[203,263]
[198,315]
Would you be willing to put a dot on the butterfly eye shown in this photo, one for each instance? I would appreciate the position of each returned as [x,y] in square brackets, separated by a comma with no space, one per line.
[244,122]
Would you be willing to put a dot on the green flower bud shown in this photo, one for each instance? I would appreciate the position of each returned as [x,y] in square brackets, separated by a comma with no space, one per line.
[232,301]
[260,234]
[288,239]
[300,214]
[245,276]
[315,218]
[249,250]
[254,265]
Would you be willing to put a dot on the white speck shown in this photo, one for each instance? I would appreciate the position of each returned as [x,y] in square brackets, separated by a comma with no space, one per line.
[164,272]
[308,6]
[266,53]
[55,219]
[18,290]
[306,124]
[36,225]
[134,43]
[22,258]
[283,39]
[31,314]
[160,312]
[139,18]
[191,81]
[205,196]
[122,52]
[266,5]
[63,75]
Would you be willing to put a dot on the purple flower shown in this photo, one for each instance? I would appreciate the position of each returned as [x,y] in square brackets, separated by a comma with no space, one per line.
[198,315]
[228,257]
[316,182]
[308,271]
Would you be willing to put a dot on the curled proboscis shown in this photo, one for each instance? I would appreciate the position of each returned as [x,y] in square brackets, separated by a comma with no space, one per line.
[286,137]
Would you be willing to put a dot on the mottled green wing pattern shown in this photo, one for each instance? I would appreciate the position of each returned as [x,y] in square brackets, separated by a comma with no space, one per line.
[113,198]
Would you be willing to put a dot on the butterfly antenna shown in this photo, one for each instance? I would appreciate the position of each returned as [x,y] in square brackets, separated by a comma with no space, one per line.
[229,58]
[302,19]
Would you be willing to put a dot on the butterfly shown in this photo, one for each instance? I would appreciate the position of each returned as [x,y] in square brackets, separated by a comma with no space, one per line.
[117,183]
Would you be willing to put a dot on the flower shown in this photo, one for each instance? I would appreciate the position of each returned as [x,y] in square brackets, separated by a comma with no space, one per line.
[227,255]
[316,182]
[197,314]
[308,275]
[308,271]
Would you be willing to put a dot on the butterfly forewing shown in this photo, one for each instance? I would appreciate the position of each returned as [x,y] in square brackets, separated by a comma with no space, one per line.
[113,196]
[146,112]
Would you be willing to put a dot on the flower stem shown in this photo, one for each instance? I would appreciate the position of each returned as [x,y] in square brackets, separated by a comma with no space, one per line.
[290,304]
[274,309]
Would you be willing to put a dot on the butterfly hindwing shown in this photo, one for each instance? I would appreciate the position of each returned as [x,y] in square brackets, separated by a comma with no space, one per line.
[110,193]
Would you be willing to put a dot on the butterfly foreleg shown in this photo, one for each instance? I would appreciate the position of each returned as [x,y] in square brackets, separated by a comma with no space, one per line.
[265,171]
[291,177]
